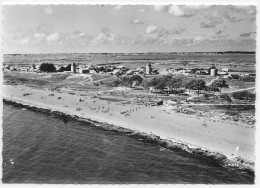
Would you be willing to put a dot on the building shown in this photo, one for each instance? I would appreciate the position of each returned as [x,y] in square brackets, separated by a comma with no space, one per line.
[121,67]
[142,69]
[149,68]
[222,72]
[83,70]
[213,71]
[225,69]
[73,67]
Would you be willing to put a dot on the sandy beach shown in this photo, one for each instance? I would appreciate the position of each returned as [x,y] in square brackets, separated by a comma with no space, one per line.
[209,134]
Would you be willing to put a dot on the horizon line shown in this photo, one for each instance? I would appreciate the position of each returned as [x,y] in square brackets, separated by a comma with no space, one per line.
[236,51]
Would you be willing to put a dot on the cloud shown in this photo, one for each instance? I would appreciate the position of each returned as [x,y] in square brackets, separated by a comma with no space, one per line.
[162,32]
[39,35]
[207,25]
[24,41]
[107,37]
[118,7]
[44,28]
[231,19]
[212,20]
[151,29]
[175,31]
[53,37]
[142,10]
[197,7]
[48,10]
[148,40]
[248,10]
[219,32]
[136,21]
[249,34]
[180,10]
[161,8]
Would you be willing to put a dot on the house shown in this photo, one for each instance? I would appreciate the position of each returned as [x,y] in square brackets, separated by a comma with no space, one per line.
[109,69]
[225,70]
[83,70]
[164,71]
[121,67]
[222,73]
[24,69]
[129,72]
[142,69]
[92,71]
[115,71]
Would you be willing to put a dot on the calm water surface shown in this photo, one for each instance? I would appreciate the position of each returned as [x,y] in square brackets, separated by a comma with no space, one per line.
[39,148]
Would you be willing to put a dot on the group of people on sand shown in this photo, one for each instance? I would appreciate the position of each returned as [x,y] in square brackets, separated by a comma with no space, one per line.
[127,113]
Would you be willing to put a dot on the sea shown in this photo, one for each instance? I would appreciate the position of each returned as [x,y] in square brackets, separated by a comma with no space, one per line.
[41,148]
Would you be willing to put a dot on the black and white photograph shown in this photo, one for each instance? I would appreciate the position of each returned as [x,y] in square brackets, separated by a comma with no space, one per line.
[129,93]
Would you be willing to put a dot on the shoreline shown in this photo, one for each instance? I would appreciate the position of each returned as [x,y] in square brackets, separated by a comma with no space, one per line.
[215,158]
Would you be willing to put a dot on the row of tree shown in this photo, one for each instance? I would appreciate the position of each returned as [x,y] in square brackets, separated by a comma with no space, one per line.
[171,84]
[174,84]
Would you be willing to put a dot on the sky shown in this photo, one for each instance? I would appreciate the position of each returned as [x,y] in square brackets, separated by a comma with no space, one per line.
[128,28]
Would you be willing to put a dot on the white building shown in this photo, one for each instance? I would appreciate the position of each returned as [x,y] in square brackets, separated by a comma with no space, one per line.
[225,69]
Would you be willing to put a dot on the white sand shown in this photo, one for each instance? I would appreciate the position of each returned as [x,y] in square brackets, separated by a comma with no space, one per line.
[161,121]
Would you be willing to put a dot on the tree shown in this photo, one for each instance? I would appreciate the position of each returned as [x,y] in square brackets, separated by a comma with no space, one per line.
[47,67]
[225,97]
[125,81]
[118,74]
[219,84]
[67,68]
[160,85]
[135,78]
[174,83]
[196,85]
[243,95]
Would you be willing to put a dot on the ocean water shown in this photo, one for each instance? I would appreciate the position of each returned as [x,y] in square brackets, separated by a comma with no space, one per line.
[39,148]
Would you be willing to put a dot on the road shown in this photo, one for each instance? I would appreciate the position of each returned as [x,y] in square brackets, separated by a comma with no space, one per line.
[91,81]
[239,90]
[212,81]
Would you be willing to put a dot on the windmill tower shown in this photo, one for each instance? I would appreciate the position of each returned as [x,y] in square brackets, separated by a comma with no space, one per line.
[73,67]
[148,68]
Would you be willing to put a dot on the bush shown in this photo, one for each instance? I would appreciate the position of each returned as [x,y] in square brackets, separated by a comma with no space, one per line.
[247,79]
[225,97]
[235,76]
[241,95]
[47,67]
[206,96]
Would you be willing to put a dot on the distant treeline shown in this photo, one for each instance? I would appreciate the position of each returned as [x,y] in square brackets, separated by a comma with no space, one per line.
[239,52]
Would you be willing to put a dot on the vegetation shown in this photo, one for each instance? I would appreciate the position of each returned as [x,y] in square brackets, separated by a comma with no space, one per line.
[225,97]
[241,95]
[235,76]
[67,68]
[247,79]
[47,67]
[218,84]
[196,85]
[131,81]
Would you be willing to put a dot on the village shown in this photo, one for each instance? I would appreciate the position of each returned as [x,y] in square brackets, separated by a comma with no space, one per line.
[226,72]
